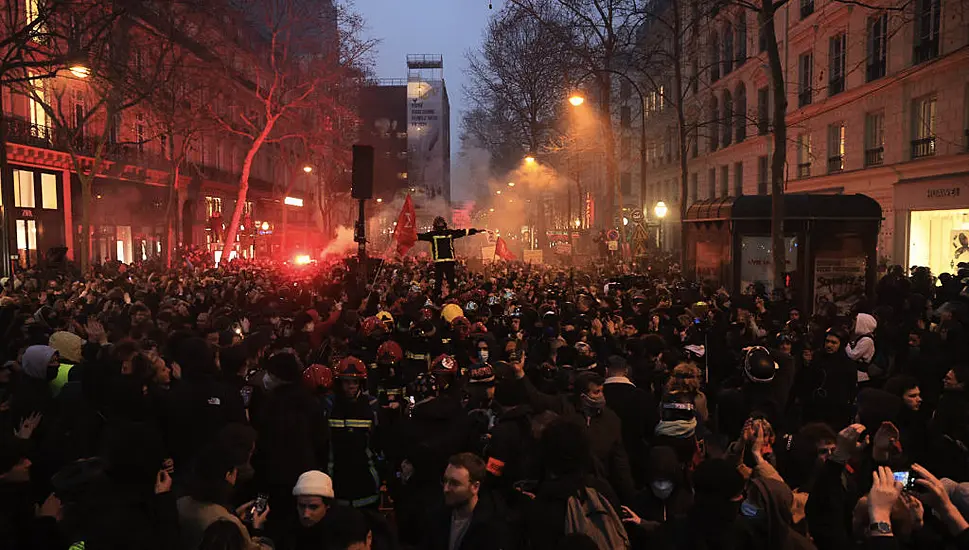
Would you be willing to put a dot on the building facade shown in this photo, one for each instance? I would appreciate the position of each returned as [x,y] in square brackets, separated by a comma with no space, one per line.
[878,104]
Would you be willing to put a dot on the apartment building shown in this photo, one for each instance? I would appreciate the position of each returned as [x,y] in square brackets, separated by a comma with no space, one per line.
[131,192]
[878,104]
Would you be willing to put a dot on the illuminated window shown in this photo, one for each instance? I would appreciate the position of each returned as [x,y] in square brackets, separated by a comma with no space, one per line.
[48,191]
[23,189]
[213,205]
[36,102]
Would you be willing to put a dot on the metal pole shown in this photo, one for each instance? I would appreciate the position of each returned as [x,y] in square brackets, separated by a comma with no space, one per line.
[361,234]
[642,150]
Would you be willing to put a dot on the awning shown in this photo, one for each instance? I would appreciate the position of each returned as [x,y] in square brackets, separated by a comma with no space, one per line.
[796,207]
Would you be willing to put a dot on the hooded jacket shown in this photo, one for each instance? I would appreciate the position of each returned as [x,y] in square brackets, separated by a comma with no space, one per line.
[773,531]
[862,347]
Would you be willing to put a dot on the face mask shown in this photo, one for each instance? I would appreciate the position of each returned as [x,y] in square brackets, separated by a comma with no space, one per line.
[750,511]
[593,404]
[483,355]
[662,488]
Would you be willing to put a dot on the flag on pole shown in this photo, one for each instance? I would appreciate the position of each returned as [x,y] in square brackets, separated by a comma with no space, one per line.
[405,234]
[501,250]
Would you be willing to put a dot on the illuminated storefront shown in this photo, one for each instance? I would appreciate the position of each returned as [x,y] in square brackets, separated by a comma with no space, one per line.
[933,219]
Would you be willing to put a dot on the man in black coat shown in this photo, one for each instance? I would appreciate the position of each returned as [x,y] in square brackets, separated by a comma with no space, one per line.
[471,519]
[636,409]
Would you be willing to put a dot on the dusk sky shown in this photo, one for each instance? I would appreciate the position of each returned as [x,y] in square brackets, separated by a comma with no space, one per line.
[446,27]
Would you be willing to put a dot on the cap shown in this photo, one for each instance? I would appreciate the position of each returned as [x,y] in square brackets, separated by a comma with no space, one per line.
[313,483]
[483,375]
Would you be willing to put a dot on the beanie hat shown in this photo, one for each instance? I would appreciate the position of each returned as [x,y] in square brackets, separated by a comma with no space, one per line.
[68,345]
[313,483]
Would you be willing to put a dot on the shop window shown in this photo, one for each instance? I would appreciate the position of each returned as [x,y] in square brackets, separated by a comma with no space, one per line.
[27,242]
[23,189]
[936,239]
[213,206]
[48,191]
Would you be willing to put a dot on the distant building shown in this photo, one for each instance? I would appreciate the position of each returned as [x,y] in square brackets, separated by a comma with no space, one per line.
[383,125]
[428,127]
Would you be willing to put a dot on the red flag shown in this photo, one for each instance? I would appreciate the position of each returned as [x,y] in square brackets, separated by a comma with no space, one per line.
[501,250]
[405,234]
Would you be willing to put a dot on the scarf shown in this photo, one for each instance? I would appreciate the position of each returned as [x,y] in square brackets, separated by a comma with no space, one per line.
[676,428]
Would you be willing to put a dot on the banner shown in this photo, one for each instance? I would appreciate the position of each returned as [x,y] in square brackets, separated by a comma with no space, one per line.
[501,250]
[840,281]
[405,234]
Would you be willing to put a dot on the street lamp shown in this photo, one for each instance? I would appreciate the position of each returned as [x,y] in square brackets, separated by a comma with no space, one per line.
[307,169]
[661,210]
[80,70]
[511,184]
[380,200]
[498,192]
[576,100]
[529,159]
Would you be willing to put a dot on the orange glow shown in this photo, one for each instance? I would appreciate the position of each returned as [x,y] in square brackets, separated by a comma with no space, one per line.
[293,201]
[302,259]
[576,100]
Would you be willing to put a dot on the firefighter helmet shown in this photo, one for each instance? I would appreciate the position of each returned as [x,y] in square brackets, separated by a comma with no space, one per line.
[369,325]
[351,368]
[390,352]
[451,312]
[318,376]
[444,364]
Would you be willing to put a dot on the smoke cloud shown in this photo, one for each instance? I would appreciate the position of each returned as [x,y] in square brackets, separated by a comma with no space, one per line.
[342,245]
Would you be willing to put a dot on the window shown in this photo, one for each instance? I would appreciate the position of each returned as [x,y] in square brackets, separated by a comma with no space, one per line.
[740,112]
[36,102]
[874,138]
[923,127]
[79,113]
[738,179]
[807,8]
[48,191]
[626,183]
[23,189]
[27,242]
[727,118]
[662,97]
[724,181]
[926,45]
[877,47]
[694,187]
[742,38]
[32,17]
[714,125]
[714,57]
[763,169]
[761,38]
[213,206]
[140,132]
[625,116]
[763,110]
[805,72]
[625,145]
[836,147]
[836,64]
[712,183]
[803,155]
[727,49]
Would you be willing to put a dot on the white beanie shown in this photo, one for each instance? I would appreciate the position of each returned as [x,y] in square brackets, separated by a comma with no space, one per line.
[313,483]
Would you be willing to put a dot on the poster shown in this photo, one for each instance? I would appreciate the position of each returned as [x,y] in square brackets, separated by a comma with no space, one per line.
[960,247]
[756,261]
[426,136]
[840,281]
[533,256]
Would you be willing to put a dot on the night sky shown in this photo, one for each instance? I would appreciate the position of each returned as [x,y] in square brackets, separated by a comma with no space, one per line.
[446,27]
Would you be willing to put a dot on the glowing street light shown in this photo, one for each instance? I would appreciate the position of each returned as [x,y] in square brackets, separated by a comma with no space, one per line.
[265,226]
[80,70]
[380,200]
[498,192]
[576,100]
[302,259]
[491,210]
[308,169]
[578,223]
[661,210]
[529,159]
[511,184]
[293,201]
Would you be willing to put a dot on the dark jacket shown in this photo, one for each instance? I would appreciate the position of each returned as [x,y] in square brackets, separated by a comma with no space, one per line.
[488,530]
[637,410]
[545,519]
[197,409]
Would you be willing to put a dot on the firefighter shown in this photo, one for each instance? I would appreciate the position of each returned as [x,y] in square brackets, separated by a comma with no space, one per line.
[442,251]
[351,416]
[389,382]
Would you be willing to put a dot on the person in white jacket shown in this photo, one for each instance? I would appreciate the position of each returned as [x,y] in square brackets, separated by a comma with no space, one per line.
[862,346]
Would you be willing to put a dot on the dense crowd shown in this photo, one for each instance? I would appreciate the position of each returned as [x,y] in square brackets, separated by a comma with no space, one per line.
[262,406]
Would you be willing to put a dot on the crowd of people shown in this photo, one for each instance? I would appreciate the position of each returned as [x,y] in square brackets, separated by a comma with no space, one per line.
[271,406]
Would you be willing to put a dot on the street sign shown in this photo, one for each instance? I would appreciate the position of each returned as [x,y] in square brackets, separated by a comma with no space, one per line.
[612,235]
[613,245]
[637,215]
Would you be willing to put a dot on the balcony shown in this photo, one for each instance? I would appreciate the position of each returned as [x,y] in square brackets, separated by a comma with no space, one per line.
[28,133]
[924,147]
[836,164]
[804,97]
[875,156]
[804,170]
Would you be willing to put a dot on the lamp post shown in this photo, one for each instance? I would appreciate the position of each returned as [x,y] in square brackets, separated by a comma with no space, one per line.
[291,201]
[576,100]
[660,210]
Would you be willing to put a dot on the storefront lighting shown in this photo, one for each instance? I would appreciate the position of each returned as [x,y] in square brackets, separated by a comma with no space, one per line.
[380,200]
[293,201]
[308,169]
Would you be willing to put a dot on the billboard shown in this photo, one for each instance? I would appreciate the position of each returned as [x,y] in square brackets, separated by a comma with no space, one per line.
[426,136]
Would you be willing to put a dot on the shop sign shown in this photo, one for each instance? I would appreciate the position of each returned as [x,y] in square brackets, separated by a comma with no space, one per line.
[942,192]
[26,213]
[932,195]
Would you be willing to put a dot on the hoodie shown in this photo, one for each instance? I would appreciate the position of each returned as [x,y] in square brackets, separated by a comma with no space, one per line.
[35,361]
[862,346]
